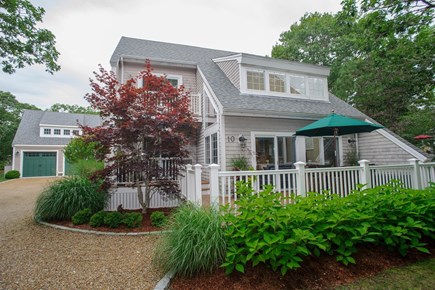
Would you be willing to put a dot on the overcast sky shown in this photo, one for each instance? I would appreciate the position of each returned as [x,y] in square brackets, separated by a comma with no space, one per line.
[87,32]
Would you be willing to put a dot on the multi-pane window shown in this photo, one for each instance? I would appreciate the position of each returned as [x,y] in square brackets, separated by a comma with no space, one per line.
[211,149]
[214,148]
[297,85]
[47,131]
[76,132]
[321,150]
[56,131]
[277,82]
[207,150]
[316,88]
[173,81]
[255,80]
[66,132]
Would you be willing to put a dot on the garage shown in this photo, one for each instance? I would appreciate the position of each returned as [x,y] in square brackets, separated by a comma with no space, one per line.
[39,164]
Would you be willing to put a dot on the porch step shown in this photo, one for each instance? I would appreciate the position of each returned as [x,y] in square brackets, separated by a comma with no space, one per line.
[205,187]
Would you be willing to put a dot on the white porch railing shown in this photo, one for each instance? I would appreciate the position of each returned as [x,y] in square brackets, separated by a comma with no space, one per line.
[195,104]
[339,180]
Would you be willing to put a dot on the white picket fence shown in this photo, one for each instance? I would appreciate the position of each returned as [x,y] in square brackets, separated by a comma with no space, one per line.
[299,181]
[127,197]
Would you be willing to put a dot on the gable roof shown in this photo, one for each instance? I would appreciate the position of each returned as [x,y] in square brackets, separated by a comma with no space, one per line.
[29,129]
[228,95]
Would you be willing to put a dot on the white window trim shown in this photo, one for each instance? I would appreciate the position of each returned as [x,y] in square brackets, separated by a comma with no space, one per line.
[52,135]
[275,135]
[212,132]
[322,149]
[179,78]
[267,92]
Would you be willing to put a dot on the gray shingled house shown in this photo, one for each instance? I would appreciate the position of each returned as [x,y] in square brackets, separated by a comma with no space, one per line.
[40,139]
[251,106]
[248,105]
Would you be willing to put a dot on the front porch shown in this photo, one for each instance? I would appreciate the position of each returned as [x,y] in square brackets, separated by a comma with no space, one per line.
[210,186]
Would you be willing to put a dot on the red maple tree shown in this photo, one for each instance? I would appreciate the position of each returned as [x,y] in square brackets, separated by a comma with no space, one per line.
[143,125]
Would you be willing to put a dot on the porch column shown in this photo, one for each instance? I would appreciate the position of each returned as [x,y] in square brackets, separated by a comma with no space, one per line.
[300,167]
[416,174]
[365,177]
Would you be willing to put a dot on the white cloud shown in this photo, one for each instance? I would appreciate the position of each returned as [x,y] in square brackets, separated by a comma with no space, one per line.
[87,32]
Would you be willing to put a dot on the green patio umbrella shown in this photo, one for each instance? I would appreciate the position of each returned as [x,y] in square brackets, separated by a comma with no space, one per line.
[336,125]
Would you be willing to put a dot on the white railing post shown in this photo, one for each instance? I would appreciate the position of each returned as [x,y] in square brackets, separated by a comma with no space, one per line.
[365,173]
[198,189]
[214,185]
[189,189]
[416,174]
[300,167]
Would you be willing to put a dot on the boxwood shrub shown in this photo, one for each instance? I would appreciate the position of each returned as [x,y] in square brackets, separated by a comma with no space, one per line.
[97,220]
[132,219]
[158,219]
[82,216]
[113,219]
[12,174]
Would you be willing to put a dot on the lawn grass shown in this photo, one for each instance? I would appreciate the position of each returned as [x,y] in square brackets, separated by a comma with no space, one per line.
[420,275]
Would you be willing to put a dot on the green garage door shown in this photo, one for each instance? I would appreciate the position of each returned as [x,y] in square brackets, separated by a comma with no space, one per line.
[68,167]
[39,164]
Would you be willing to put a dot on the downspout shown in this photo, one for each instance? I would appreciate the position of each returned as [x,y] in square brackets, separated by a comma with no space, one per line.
[122,70]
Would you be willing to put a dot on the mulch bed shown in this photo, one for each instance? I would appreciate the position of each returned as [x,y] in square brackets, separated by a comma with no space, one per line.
[323,272]
[146,225]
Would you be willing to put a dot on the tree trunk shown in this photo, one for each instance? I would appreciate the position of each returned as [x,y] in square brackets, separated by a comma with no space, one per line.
[140,196]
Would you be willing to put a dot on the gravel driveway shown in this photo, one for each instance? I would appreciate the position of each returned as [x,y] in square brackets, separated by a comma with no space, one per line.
[38,257]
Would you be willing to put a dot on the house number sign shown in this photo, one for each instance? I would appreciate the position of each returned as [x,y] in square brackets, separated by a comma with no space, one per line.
[231,139]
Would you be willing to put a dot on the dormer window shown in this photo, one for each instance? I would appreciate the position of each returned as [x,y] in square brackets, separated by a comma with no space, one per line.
[316,87]
[297,85]
[255,80]
[58,132]
[277,82]
[283,84]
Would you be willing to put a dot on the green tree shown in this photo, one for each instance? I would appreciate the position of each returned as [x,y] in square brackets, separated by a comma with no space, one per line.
[21,41]
[80,149]
[10,116]
[380,54]
[72,109]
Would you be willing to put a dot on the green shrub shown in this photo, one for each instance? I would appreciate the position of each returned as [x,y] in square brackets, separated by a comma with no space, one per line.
[261,230]
[159,219]
[82,216]
[85,168]
[63,198]
[195,241]
[132,219]
[97,220]
[113,219]
[240,163]
[12,174]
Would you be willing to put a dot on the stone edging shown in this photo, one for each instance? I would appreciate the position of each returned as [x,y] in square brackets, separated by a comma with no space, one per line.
[165,281]
[100,233]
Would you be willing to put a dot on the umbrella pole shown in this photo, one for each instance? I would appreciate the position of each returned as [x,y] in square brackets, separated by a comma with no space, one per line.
[335,147]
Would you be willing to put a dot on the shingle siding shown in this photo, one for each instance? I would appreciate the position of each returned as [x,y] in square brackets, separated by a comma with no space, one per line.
[379,150]
[231,70]
[236,126]
[188,75]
